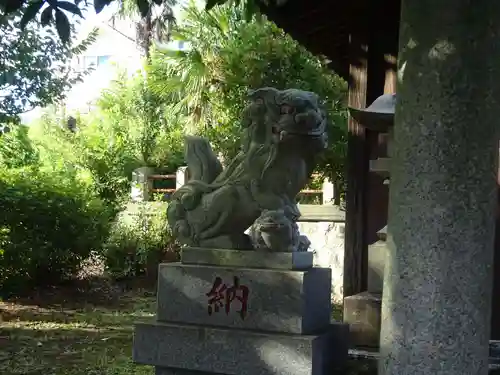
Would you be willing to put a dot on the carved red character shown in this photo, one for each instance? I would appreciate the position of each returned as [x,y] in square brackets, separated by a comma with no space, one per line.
[216,296]
[222,295]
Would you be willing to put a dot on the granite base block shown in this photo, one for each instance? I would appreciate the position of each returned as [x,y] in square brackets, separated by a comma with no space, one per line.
[363,314]
[238,352]
[260,299]
[247,259]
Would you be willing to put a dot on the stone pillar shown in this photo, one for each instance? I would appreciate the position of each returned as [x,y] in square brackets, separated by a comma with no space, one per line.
[180,177]
[438,275]
[141,184]
[328,192]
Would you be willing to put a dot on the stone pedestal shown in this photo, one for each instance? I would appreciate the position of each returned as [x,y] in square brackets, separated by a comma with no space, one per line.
[242,313]
[362,312]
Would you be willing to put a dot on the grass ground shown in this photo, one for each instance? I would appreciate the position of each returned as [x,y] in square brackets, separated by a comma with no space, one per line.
[74,331]
[85,329]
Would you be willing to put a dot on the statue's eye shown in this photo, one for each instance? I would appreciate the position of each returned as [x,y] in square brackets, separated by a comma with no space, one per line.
[259,101]
[286,109]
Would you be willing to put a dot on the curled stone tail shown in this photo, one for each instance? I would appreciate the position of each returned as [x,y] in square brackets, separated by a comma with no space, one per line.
[202,163]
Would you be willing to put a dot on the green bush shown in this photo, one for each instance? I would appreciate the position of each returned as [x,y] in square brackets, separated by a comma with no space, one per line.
[47,228]
[139,239]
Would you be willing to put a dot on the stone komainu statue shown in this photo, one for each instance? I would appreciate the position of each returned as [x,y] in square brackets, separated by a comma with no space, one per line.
[283,132]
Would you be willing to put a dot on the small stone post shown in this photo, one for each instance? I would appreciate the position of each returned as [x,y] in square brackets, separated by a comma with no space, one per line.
[180,177]
[328,189]
[141,184]
[438,276]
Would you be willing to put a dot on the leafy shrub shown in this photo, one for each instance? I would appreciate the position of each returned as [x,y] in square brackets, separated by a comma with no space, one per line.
[209,81]
[16,148]
[47,227]
[139,239]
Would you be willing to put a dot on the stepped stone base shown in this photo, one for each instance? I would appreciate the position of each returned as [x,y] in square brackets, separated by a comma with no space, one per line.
[237,352]
[247,259]
[363,314]
[223,313]
[278,300]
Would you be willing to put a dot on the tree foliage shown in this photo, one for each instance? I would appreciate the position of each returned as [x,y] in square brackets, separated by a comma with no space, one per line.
[47,228]
[16,148]
[52,12]
[34,67]
[226,58]
[64,186]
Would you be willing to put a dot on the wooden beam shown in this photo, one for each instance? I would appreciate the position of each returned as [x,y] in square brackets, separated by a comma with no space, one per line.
[390,74]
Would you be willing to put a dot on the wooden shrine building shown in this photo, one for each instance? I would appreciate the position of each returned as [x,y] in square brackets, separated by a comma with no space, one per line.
[360,38]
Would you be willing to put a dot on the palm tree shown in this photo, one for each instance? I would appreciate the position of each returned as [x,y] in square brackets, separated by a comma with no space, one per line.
[188,77]
[154,27]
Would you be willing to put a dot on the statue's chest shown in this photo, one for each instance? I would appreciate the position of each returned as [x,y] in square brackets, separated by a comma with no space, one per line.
[287,174]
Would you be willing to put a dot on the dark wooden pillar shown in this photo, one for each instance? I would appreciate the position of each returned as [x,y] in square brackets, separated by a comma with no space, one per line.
[355,259]
[495,301]
[372,54]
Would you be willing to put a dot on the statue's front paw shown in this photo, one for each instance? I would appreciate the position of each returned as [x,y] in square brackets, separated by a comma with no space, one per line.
[304,243]
[181,231]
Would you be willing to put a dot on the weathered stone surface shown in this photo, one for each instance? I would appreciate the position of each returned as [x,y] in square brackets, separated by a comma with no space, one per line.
[438,276]
[327,244]
[277,231]
[237,352]
[216,206]
[363,314]
[278,300]
[247,259]
[377,254]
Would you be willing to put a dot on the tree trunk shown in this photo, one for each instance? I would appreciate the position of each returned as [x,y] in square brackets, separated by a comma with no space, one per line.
[145,35]
[437,289]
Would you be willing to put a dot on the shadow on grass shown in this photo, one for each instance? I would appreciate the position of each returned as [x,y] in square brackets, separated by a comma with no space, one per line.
[86,329]
[74,331]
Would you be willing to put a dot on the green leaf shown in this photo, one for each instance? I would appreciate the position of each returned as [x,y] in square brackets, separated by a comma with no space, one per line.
[11,6]
[30,12]
[62,26]
[143,6]
[211,3]
[251,9]
[46,16]
[100,4]
[70,7]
